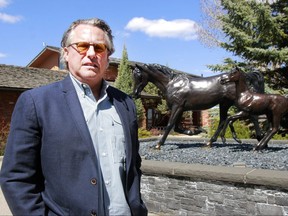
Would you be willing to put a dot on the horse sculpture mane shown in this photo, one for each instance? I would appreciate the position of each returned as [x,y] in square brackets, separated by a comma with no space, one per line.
[163,69]
[255,81]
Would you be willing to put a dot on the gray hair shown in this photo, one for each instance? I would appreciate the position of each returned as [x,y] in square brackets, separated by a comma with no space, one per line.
[94,22]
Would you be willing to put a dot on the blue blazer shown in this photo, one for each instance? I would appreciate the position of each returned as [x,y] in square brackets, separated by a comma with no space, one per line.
[49,166]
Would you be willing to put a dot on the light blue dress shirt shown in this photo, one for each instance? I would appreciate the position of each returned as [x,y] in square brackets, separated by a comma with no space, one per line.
[109,143]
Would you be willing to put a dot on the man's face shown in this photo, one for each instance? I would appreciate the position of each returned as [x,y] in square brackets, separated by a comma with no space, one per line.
[88,67]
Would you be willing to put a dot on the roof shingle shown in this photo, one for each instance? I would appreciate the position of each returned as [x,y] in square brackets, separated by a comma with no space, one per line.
[26,77]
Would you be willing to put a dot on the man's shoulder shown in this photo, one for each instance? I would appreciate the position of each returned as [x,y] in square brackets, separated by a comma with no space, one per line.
[49,88]
[117,92]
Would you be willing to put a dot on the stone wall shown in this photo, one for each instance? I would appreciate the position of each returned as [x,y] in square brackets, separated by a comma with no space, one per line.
[193,189]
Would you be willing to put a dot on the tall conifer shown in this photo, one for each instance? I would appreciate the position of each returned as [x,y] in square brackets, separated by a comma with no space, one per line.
[124,82]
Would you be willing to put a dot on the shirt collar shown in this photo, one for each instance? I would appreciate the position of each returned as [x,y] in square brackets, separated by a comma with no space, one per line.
[85,90]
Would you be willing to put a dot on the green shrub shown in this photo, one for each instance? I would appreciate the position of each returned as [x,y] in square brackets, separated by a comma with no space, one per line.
[280,137]
[143,133]
[242,130]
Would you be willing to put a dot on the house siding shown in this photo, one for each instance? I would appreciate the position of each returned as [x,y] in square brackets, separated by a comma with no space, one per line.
[8,100]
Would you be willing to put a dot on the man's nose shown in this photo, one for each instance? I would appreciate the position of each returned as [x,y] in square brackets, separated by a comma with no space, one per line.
[91,52]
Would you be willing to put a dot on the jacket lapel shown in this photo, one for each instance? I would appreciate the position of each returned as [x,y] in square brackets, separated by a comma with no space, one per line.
[77,116]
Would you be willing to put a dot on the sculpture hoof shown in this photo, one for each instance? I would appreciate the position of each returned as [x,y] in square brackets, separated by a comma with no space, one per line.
[223,140]
[157,147]
[238,141]
[208,145]
[255,149]
[260,147]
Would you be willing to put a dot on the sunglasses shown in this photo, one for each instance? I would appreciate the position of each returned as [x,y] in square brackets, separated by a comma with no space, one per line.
[83,47]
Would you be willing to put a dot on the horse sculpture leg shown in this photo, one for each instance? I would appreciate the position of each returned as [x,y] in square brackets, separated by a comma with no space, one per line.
[179,129]
[176,111]
[264,142]
[189,132]
[270,133]
[258,131]
[241,115]
[229,121]
[232,129]
[223,116]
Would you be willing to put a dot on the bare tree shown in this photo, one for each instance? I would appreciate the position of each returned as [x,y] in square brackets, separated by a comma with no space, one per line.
[210,33]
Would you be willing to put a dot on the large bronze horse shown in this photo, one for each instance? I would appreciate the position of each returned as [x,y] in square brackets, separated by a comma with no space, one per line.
[274,106]
[184,92]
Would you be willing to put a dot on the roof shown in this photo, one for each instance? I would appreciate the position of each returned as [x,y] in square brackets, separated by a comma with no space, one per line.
[27,77]
[45,51]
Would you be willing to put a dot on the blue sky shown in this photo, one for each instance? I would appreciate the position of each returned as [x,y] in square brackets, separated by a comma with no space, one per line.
[153,31]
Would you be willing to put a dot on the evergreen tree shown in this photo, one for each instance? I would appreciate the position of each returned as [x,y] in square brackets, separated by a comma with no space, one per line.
[256,31]
[124,79]
[124,82]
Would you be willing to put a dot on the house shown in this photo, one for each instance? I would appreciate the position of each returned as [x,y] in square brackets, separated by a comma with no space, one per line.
[14,80]
[46,68]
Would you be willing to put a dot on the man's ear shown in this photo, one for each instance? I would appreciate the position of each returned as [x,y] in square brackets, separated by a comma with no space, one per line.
[65,54]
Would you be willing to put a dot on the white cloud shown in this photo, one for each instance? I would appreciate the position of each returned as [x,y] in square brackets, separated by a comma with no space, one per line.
[180,28]
[2,55]
[9,18]
[4,3]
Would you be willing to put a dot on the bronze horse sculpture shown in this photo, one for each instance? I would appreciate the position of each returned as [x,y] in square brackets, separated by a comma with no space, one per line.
[274,106]
[184,92]
[255,82]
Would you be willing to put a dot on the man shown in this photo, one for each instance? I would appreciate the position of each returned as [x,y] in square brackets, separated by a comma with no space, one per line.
[73,145]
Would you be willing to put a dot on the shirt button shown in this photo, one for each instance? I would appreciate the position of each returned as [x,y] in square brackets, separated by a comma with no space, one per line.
[93,181]
[122,160]
[93,213]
